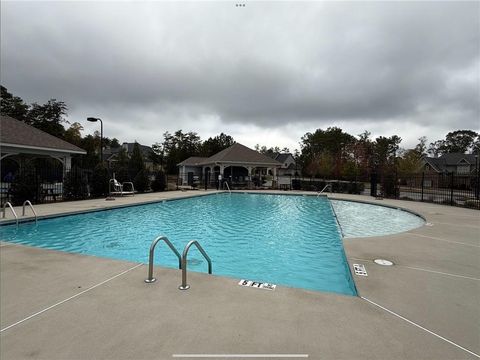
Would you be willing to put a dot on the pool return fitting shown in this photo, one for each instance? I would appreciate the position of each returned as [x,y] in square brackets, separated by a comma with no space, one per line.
[182,260]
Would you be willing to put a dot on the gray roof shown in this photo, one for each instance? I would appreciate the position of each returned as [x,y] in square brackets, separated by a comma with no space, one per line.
[241,154]
[19,134]
[193,161]
[237,153]
[436,163]
[455,158]
[440,164]
[283,157]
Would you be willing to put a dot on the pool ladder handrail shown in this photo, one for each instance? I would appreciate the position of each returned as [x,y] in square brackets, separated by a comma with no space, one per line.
[27,202]
[228,187]
[11,208]
[150,278]
[184,285]
[326,186]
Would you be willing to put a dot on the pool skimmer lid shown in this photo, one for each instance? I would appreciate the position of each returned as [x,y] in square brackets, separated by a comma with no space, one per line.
[383,262]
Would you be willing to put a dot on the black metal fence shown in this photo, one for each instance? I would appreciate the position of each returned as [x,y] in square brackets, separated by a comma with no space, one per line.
[448,189]
[43,185]
[336,186]
[51,184]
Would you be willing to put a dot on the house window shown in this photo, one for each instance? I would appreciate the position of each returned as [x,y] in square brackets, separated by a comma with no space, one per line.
[463,169]
[427,183]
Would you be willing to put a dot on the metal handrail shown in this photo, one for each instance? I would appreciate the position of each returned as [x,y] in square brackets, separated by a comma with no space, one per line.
[326,186]
[150,278]
[27,202]
[228,187]
[184,285]
[11,208]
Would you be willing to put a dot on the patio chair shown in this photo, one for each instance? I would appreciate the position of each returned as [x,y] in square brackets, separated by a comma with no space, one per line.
[115,188]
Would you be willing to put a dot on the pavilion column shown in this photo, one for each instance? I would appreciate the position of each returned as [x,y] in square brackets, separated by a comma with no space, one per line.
[67,163]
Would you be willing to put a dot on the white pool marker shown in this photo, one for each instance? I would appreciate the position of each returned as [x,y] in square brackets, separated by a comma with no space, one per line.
[360,270]
[257,285]
[383,262]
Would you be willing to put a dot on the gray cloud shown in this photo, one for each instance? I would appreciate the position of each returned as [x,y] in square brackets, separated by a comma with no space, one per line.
[271,65]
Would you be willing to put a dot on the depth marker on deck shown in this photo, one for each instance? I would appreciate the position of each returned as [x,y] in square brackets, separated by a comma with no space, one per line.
[257,285]
[360,270]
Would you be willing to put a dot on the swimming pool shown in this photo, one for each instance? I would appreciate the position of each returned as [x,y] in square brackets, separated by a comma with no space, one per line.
[288,240]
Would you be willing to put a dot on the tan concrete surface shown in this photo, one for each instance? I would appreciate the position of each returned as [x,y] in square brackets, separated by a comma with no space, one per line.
[73,207]
[128,319]
[435,283]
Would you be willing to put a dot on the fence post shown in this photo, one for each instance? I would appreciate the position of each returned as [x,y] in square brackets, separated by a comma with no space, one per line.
[373,184]
[423,182]
[451,189]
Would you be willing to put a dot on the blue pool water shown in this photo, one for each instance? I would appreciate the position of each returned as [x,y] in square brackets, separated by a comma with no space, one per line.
[365,220]
[286,240]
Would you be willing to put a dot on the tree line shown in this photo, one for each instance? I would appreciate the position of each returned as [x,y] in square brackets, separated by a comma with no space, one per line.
[329,153]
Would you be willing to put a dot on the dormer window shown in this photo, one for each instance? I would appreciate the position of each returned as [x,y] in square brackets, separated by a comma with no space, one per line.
[463,169]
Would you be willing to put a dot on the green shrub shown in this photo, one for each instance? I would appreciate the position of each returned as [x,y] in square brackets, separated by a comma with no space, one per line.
[159,183]
[75,185]
[141,181]
[25,186]
[100,180]
[472,204]
[122,174]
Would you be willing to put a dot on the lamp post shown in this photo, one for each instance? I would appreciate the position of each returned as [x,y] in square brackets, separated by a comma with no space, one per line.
[477,187]
[92,119]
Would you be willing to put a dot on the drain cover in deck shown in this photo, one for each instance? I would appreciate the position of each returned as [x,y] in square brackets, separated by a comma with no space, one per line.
[383,262]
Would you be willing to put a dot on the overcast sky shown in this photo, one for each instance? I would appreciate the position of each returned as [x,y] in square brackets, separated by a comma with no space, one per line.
[264,73]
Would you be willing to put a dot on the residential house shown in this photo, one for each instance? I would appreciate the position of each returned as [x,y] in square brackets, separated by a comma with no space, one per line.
[289,167]
[110,155]
[438,170]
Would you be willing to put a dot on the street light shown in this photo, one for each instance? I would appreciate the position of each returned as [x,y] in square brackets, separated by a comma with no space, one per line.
[92,119]
[477,187]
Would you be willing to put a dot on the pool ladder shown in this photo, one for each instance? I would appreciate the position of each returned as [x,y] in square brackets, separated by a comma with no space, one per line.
[329,185]
[26,202]
[11,208]
[228,186]
[182,260]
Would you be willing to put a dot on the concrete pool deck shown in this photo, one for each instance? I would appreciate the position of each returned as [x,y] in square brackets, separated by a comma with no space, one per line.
[56,305]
